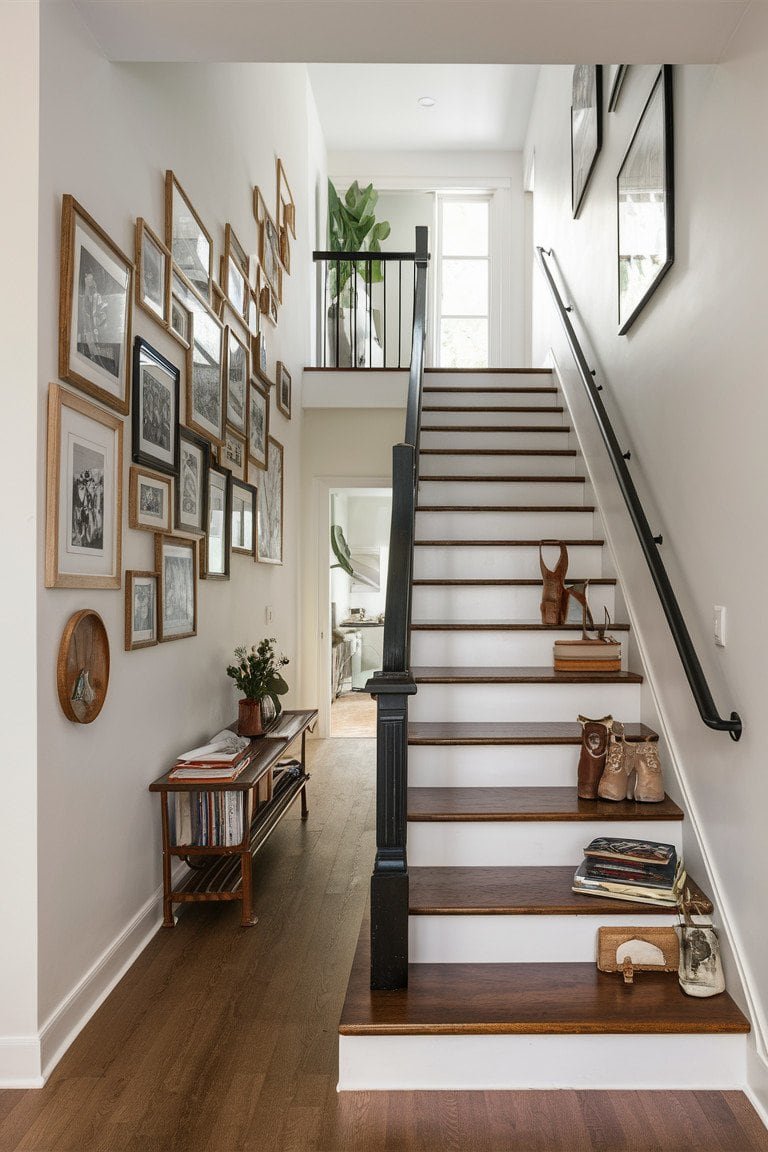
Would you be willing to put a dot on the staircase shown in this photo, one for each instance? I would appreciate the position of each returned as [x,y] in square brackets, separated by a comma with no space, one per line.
[503,988]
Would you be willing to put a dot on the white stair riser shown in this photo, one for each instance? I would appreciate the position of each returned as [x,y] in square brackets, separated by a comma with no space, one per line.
[494,602]
[493,765]
[489,439]
[505,526]
[471,649]
[504,493]
[538,418]
[485,703]
[518,843]
[516,939]
[479,465]
[493,399]
[467,1063]
[498,563]
[501,378]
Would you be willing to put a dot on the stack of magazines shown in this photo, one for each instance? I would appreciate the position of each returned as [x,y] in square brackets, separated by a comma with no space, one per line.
[642,871]
[222,759]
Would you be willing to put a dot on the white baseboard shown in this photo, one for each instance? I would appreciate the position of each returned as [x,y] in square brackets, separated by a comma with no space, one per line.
[20,1063]
[756,1088]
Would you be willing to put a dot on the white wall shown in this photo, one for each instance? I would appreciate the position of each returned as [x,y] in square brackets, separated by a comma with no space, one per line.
[687,389]
[107,135]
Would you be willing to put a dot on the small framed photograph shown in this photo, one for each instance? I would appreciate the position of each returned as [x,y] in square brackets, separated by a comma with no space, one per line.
[155,408]
[180,321]
[187,237]
[95,298]
[150,500]
[205,374]
[270,507]
[214,560]
[233,455]
[153,273]
[234,276]
[283,389]
[258,425]
[176,564]
[243,537]
[285,249]
[140,610]
[238,372]
[253,310]
[84,491]
[192,483]
[259,356]
[586,128]
[269,244]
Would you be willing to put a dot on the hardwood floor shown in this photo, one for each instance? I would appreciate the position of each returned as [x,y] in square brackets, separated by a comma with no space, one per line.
[223,1039]
[353,715]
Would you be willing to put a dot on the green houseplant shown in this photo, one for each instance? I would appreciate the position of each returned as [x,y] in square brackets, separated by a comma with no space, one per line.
[256,673]
[352,227]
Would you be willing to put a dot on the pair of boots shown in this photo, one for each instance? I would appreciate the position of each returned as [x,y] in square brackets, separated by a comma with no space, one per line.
[610,768]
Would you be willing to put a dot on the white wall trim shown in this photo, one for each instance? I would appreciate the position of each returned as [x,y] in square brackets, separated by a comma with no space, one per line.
[20,1062]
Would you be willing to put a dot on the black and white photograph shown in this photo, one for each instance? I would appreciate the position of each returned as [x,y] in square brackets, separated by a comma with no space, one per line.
[140,610]
[243,540]
[155,408]
[150,500]
[188,238]
[95,309]
[270,507]
[586,128]
[646,214]
[192,482]
[235,273]
[269,253]
[153,273]
[176,564]
[232,455]
[237,373]
[283,389]
[258,424]
[205,389]
[215,561]
[86,520]
[180,320]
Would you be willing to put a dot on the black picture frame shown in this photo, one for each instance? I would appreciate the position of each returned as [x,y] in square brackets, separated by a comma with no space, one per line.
[586,129]
[207,570]
[149,430]
[647,173]
[182,522]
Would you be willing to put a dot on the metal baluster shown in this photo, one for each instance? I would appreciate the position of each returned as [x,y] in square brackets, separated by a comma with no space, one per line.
[370,314]
[338,307]
[324,325]
[399,310]
[384,273]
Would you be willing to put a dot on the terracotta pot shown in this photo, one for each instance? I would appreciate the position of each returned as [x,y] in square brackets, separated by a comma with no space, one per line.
[249,722]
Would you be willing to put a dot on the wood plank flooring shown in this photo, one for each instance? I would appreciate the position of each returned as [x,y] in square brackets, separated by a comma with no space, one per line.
[223,1039]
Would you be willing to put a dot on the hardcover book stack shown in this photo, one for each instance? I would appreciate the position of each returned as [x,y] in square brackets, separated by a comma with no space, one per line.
[223,758]
[208,819]
[642,871]
[601,655]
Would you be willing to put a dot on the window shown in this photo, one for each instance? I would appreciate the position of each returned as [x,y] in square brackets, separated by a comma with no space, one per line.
[464,271]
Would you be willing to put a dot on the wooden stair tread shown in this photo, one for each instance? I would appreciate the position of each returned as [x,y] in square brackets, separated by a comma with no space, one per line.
[485,371]
[495,428]
[501,626]
[507,583]
[497,452]
[503,544]
[502,479]
[490,388]
[490,408]
[490,674]
[443,805]
[556,998]
[544,890]
[586,508]
[472,732]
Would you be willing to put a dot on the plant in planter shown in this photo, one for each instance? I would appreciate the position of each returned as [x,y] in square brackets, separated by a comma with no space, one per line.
[256,674]
[352,227]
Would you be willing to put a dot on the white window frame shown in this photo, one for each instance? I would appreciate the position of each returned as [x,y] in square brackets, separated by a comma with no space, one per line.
[486,196]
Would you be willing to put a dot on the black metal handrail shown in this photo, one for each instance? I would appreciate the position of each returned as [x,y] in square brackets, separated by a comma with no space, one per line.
[648,542]
[394,684]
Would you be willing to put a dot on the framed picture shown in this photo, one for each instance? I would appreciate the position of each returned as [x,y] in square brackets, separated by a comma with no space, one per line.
[616,76]
[253,310]
[187,237]
[205,375]
[234,272]
[155,408]
[153,273]
[266,306]
[192,483]
[646,204]
[286,206]
[283,393]
[270,507]
[214,560]
[150,500]
[586,128]
[140,610]
[176,564]
[258,425]
[180,321]
[95,298]
[243,537]
[233,455]
[269,244]
[238,372]
[218,300]
[84,492]
[259,357]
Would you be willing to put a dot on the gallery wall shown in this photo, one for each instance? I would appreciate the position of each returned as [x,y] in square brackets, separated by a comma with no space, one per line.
[686,391]
[107,135]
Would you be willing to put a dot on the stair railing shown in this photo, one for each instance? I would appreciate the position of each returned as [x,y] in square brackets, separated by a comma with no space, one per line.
[394,684]
[648,542]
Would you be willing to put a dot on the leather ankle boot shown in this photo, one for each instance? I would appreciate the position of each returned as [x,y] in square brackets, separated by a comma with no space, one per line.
[619,765]
[594,744]
[554,599]
[649,784]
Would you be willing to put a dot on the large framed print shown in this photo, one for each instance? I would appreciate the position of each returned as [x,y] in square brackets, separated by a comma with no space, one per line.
[84,490]
[176,566]
[214,557]
[270,502]
[150,500]
[243,536]
[237,372]
[192,483]
[258,425]
[95,298]
[586,128]
[153,273]
[269,254]
[646,204]
[155,408]
[205,375]
[140,610]
[187,237]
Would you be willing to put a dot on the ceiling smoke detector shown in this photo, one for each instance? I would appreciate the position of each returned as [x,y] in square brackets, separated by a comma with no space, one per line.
[426,101]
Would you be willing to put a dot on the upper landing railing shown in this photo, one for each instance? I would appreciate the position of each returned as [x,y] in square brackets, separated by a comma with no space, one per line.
[648,542]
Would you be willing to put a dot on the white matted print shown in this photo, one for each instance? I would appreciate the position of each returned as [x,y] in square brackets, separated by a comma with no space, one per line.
[192,482]
[243,517]
[270,502]
[150,500]
[140,610]
[176,563]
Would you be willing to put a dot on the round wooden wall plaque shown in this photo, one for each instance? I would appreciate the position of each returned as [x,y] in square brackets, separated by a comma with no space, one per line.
[82,671]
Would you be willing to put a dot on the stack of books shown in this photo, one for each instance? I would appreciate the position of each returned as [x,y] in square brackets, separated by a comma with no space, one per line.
[222,759]
[642,871]
[587,655]
[206,819]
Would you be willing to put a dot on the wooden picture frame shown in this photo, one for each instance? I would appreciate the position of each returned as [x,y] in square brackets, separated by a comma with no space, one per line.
[258,426]
[153,274]
[237,372]
[84,493]
[155,417]
[271,503]
[218,300]
[233,455]
[253,311]
[180,321]
[259,358]
[243,523]
[235,273]
[269,245]
[176,567]
[192,483]
[286,205]
[189,241]
[586,129]
[150,500]
[141,610]
[95,309]
[645,203]
[214,555]
[283,388]
[205,372]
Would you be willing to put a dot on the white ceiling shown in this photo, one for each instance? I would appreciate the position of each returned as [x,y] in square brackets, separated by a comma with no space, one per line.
[374,106]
